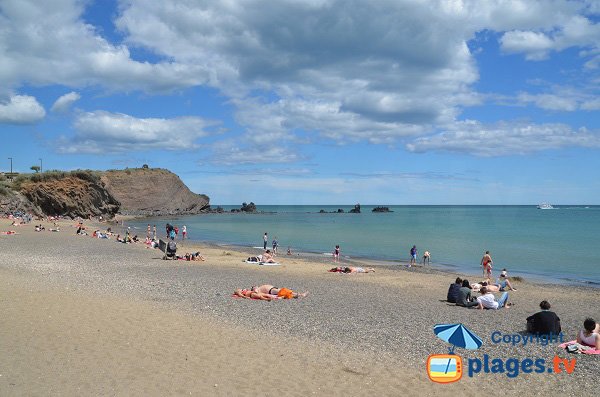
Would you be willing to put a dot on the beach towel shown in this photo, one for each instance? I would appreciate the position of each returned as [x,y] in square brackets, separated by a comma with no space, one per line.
[574,342]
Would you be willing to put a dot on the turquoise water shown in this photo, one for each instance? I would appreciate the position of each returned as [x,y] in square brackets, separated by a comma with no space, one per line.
[557,244]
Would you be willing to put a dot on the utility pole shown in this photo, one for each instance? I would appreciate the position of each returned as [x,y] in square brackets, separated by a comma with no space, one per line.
[41,167]
[10,158]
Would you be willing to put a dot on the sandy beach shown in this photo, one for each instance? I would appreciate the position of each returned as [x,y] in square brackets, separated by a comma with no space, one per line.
[86,316]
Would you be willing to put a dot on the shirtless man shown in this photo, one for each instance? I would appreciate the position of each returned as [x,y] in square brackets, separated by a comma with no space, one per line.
[486,264]
[271,290]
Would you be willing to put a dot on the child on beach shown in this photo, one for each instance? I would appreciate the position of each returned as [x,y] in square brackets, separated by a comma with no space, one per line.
[275,245]
[413,256]
[183,232]
[336,253]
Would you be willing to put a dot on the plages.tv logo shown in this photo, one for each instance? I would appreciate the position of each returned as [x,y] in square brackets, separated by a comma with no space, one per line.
[448,368]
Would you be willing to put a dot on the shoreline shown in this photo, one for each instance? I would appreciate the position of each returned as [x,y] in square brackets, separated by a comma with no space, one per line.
[535,276]
[451,270]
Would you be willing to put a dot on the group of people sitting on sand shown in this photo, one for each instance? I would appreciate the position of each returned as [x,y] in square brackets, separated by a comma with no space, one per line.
[267,292]
[351,269]
[460,293]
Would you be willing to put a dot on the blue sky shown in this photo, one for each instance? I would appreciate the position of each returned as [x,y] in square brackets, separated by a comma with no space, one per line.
[314,101]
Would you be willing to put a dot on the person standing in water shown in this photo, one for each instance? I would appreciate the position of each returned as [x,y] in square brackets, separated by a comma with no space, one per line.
[336,253]
[183,232]
[275,245]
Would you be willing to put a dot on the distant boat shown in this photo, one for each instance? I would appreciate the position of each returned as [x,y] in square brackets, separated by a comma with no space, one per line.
[545,206]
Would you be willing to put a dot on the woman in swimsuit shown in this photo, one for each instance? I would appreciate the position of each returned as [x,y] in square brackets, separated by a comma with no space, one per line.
[251,294]
[590,334]
[336,253]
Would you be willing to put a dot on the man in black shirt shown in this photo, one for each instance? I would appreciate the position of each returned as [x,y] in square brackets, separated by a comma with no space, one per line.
[453,290]
[544,322]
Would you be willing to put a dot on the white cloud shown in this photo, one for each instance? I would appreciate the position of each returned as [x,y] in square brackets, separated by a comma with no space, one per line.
[103,132]
[21,109]
[550,101]
[63,103]
[47,42]
[534,45]
[379,72]
[504,139]
[229,152]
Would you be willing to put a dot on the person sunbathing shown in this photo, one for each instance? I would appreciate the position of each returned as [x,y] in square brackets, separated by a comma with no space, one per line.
[590,334]
[498,287]
[280,292]
[267,257]
[196,256]
[250,294]
[353,269]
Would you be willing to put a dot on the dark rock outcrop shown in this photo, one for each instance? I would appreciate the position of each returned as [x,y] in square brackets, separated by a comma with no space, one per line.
[356,209]
[381,209]
[248,207]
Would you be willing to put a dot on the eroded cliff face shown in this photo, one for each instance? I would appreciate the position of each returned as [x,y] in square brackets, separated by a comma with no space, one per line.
[71,196]
[84,194]
[144,191]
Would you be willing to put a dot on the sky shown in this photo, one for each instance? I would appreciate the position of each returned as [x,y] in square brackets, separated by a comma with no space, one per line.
[311,101]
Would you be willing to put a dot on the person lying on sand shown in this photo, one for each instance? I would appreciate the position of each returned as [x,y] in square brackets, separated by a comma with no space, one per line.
[351,269]
[249,294]
[196,256]
[498,287]
[280,292]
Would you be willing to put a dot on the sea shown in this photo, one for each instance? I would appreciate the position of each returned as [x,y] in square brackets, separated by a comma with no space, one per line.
[557,245]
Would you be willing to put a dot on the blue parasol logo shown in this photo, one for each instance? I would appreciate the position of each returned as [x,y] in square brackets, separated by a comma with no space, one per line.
[458,336]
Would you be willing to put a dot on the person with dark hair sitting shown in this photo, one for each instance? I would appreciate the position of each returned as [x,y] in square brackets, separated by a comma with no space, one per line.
[452,296]
[464,296]
[544,322]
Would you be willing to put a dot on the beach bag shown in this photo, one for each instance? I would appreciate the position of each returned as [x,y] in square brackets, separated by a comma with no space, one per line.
[285,293]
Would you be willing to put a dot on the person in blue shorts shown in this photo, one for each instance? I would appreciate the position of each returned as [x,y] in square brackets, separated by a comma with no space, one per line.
[413,256]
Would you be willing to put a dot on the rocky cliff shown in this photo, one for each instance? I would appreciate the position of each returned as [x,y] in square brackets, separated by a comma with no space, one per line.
[146,191]
[70,196]
[93,193]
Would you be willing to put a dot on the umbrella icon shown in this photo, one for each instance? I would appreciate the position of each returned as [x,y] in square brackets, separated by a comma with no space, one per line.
[458,335]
